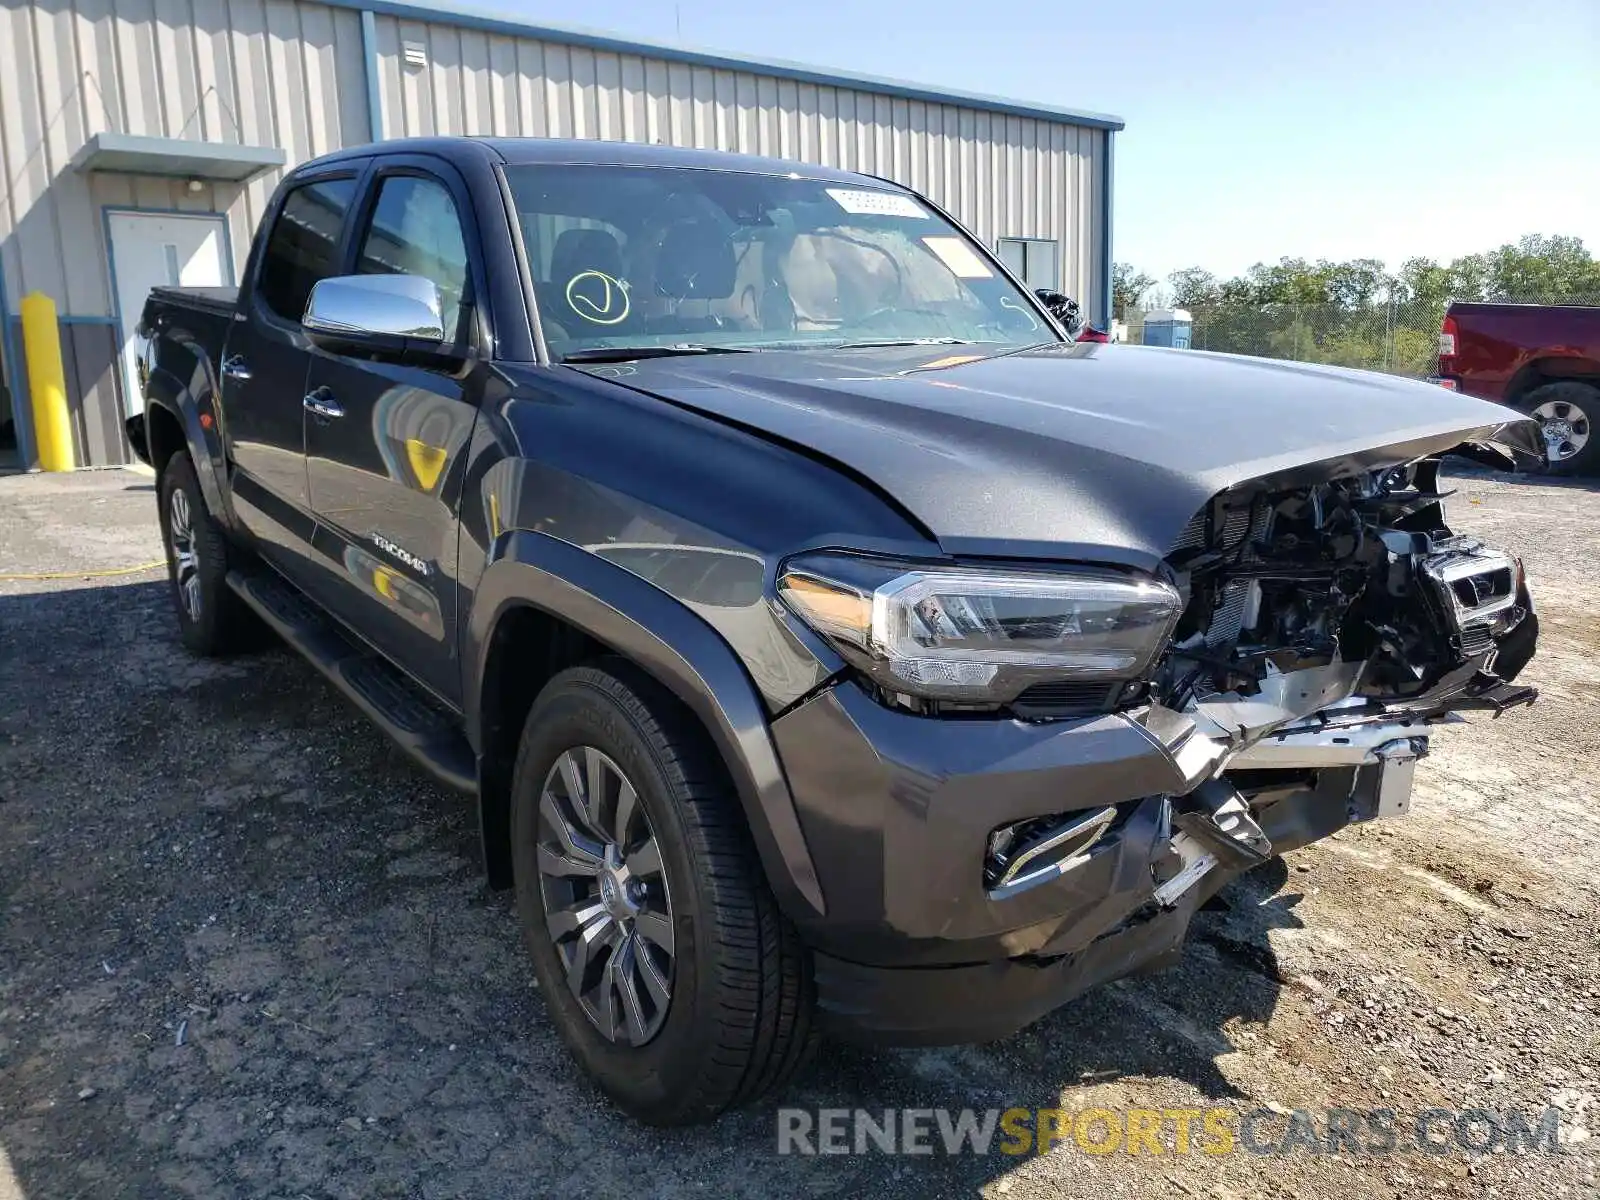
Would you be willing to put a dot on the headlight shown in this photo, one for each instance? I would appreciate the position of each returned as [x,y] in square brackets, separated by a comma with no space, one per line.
[979,635]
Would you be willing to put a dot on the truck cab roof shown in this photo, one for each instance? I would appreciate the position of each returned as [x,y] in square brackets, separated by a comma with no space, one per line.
[568,151]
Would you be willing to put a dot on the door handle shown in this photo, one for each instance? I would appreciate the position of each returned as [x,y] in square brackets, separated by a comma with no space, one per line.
[322,403]
[234,367]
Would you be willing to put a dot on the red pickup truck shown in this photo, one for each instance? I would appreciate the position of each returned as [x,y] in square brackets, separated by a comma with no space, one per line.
[1542,359]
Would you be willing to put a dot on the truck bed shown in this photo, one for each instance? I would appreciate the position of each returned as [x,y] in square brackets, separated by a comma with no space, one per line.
[220,300]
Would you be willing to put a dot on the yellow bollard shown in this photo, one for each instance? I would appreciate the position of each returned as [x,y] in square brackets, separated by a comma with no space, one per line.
[47,382]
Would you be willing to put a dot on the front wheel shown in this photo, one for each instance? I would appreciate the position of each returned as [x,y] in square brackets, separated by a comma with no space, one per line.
[1566,412]
[660,953]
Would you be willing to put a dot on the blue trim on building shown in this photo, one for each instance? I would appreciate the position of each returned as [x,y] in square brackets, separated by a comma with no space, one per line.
[448,13]
[83,320]
[369,53]
[1108,172]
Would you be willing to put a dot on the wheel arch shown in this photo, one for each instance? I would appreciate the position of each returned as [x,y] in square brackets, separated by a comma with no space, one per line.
[164,434]
[552,600]
[1551,369]
[175,418]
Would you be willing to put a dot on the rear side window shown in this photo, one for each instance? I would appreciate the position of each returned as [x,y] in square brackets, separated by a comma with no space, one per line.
[303,244]
[416,230]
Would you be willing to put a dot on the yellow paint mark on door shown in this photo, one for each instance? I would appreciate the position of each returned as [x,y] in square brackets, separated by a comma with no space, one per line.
[426,462]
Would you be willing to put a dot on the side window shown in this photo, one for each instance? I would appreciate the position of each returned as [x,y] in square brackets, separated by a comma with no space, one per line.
[416,230]
[303,243]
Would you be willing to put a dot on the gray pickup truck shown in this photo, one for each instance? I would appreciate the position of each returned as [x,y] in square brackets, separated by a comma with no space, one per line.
[829,641]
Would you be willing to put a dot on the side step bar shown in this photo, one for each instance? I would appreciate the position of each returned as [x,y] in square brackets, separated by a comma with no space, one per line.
[416,722]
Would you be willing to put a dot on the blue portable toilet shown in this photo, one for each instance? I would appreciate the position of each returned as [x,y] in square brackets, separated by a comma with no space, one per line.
[1168,327]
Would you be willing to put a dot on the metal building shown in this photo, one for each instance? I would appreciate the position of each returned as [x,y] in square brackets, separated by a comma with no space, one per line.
[141,139]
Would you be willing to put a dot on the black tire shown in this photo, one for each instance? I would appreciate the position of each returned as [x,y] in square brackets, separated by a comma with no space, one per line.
[223,624]
[1579,405]
[739,1021]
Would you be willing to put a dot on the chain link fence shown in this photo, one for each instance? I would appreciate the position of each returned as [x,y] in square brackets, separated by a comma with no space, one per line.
[1398,337]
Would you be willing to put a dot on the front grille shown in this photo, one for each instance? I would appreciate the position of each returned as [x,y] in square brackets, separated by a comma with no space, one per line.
[1194,533]
[1199,533]
[1236,525]
[1069,698]
[1227,621]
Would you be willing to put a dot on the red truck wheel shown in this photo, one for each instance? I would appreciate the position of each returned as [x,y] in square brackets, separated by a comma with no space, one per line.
[1566,411]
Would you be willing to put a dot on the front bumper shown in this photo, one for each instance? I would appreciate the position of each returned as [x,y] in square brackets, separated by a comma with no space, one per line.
[898,809]
[981,1002]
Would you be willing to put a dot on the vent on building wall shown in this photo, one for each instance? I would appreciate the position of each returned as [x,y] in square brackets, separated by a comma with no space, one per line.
[416,54]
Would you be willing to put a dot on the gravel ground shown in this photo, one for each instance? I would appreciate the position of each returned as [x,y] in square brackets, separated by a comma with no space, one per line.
[244,949]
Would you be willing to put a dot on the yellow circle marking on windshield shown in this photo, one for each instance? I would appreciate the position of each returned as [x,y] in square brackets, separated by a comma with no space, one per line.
[604,302]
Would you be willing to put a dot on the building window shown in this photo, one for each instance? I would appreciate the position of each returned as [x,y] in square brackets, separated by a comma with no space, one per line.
[1035,261]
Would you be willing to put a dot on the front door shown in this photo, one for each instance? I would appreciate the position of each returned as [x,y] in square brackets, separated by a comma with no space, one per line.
[151,250]
[386,451]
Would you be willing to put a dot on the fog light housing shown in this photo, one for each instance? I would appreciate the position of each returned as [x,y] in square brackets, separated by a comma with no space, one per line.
[1026,854]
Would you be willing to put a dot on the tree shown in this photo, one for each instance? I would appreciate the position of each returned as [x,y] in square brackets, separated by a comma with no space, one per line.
[1128,286]
[1288,281]
[1355,284]
[1423,281]
[1356,313]
[1193,287]
[1542,269]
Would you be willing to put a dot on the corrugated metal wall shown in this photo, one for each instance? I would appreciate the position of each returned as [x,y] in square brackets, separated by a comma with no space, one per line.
[1000,175]
[273,73]
[293,74]
[94,406]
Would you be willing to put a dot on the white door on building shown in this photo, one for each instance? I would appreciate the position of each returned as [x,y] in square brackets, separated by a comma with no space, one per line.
[159,250]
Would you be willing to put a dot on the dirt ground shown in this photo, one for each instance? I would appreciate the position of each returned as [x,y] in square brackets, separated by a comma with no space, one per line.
[244,948]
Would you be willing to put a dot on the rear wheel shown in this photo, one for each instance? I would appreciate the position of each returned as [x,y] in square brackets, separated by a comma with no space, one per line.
[661,955]
[1566,412]
[212,620]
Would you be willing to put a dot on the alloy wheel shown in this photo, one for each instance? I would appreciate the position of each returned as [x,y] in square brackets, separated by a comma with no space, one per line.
[185,553]
[1566,429]
[605,894]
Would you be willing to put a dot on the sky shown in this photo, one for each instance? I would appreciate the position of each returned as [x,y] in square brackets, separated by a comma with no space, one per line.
[1256,129]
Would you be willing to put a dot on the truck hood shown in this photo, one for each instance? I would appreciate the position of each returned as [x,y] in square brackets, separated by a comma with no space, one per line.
[1080,451]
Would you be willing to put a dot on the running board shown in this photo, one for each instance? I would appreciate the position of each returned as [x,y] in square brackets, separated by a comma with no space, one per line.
[413,719]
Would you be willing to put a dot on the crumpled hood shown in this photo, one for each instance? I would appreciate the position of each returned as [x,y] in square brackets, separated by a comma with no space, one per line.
[1092,451]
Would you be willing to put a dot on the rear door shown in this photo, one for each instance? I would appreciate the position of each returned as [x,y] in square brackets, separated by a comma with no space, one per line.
[385,453]
[268,354]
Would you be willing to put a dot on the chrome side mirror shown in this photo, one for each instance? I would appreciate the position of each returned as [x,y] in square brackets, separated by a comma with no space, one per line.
[357,307]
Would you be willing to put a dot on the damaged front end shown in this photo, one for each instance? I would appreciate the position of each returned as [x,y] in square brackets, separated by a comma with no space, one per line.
[1314,626]
[1029,779]
[1328,628]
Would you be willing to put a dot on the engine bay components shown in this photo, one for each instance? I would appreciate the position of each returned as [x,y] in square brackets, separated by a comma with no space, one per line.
[1352,586]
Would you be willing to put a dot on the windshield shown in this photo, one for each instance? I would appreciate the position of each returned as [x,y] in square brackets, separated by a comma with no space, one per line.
[638,257]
